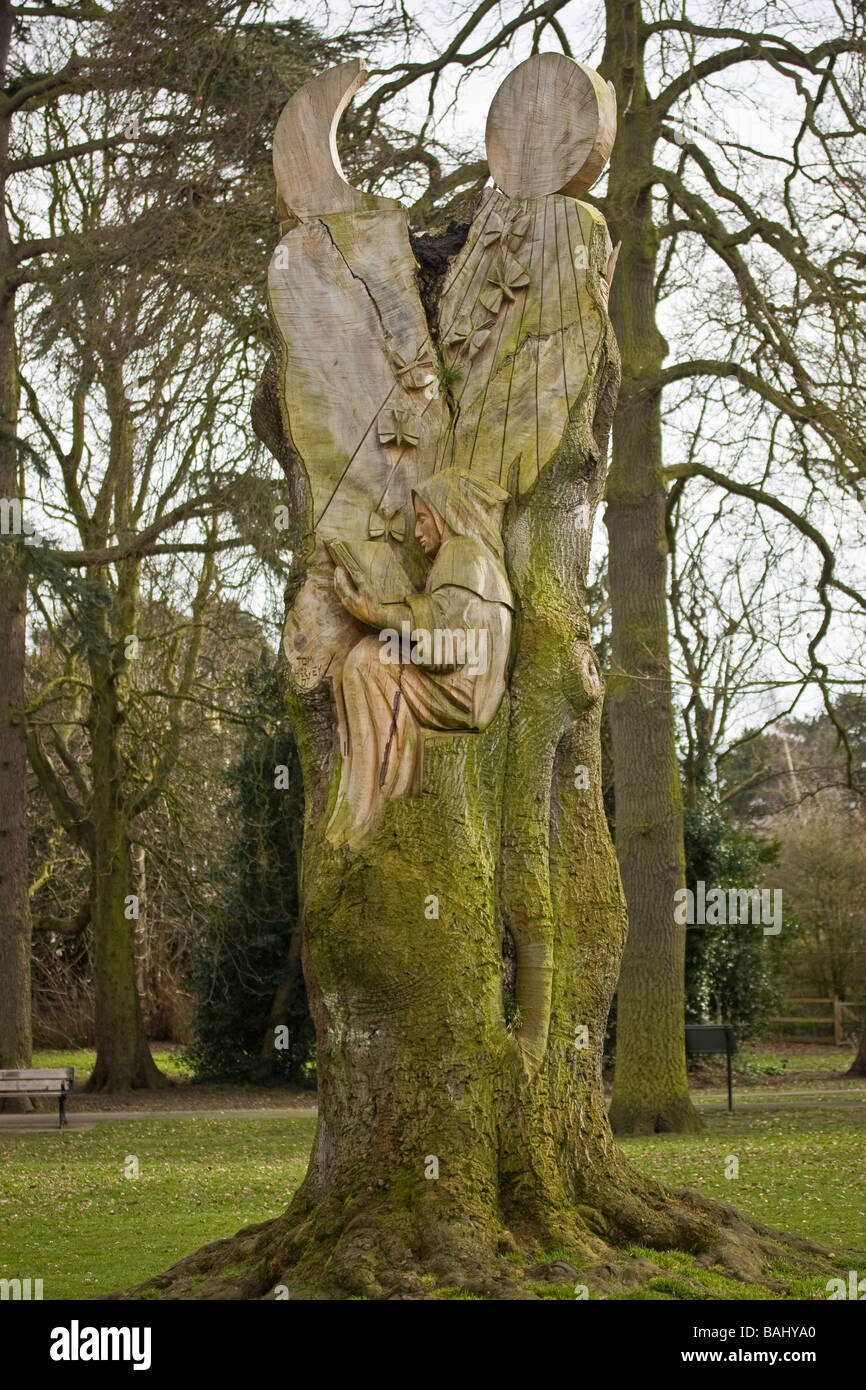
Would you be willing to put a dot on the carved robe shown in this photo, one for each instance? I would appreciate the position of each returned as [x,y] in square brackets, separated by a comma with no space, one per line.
[389,703]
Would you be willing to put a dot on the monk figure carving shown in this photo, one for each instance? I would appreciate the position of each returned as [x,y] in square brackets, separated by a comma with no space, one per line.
[438,661]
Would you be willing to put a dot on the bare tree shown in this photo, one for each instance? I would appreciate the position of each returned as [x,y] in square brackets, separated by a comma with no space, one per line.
[47,55]
[139,154]
[761,242]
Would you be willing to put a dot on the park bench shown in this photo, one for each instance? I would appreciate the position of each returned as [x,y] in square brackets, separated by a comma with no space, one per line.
[713,1037]
[41,1082]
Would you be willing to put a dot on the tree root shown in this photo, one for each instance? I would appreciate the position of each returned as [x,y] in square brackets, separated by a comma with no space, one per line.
[367,1249]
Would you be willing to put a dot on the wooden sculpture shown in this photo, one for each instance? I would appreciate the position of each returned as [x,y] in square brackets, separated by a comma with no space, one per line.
[444,458]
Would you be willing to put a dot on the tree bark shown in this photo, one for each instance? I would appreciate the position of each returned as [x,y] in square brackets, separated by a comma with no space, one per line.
[15,1034]
[858,1066]
[451,1151]
[650,1085]
[123,1060]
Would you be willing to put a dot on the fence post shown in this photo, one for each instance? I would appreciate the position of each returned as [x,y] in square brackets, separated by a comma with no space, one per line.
[837,1021]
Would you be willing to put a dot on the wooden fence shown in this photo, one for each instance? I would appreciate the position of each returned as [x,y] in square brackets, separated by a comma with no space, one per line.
[844,1012]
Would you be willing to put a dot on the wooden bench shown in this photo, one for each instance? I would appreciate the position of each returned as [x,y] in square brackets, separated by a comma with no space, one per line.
[41,1082]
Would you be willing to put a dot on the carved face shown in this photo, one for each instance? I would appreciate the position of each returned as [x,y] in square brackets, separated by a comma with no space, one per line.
[427,529]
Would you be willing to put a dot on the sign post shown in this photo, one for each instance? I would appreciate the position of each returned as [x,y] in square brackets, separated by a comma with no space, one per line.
[713,1037]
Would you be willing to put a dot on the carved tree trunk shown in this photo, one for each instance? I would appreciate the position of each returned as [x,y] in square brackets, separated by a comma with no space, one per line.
[452,1149]
[417,1069]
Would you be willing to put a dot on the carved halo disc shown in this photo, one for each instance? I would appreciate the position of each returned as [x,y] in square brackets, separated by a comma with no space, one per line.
[551,128]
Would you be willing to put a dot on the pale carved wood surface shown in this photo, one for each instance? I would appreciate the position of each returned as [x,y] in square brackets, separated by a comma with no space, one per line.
[359,370]
[551,128]
[521,321]
[307,167]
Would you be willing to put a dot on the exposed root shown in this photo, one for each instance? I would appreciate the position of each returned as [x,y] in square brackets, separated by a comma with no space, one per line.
[370,1250]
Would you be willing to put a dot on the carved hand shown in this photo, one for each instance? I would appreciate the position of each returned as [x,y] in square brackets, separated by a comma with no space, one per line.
[359,604]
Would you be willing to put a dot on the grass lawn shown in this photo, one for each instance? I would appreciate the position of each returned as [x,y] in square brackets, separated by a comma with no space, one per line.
[779,1066]
[802,1171]
[773,1059]
[169,1061]
[183,1094]
[68,1214]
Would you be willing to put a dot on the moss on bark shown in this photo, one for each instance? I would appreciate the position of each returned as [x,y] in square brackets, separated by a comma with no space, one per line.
[650,1085]
[123,1060]
[453,1152]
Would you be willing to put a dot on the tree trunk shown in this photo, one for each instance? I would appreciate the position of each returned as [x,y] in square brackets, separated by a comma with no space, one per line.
[453,1151]
[417,1070]
[15,1036]
[123,1060]
[451,1154]
[650,1089]
[445,1143]
[858,1066]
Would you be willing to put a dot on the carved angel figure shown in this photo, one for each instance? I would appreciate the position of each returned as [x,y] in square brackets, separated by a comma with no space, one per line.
[438,660]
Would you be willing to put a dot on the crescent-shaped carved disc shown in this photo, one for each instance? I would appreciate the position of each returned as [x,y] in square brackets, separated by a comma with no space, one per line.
[310,180]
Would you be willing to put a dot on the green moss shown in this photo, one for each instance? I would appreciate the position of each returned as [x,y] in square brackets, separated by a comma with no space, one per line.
[404,1192]
[715,1285]
[513,1016]
[678,1288]
[550,1292]
[640,1295]
[449,376]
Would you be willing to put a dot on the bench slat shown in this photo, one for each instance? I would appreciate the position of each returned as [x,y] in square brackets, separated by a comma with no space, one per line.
[38,1073]
[54,1088]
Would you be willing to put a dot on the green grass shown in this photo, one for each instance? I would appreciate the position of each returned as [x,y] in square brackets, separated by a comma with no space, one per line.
[777,1061]
[803,1171]
[687,1280]
[750,1063]
[69,1216]
[763,1066]
[84,1060]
